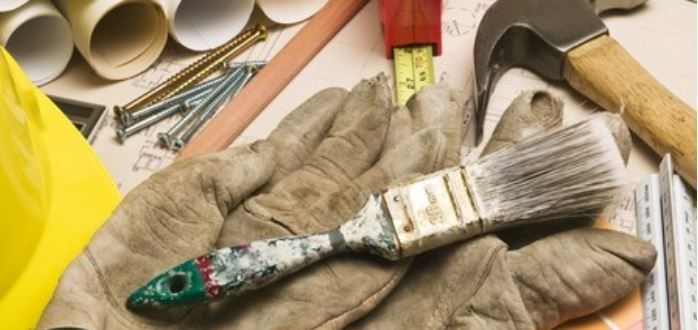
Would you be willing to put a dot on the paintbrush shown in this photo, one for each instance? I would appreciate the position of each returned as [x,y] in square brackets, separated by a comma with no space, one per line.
[572,172]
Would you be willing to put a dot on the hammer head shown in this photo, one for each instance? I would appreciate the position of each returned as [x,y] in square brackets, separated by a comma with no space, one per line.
[535,34]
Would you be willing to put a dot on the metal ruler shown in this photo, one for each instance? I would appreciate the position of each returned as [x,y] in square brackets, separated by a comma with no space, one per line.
[649,227]
[414,69]
[666,217]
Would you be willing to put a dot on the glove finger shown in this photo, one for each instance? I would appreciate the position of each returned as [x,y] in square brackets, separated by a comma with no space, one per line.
[424,152]
[400,127]
[579,271]
[463,270]
[74,302]
[224,178]
[185,204]
[301,131]
[174,215]
[530,113]
[337,290]
[621,133]
[373,92]
[352,146]
[435,106]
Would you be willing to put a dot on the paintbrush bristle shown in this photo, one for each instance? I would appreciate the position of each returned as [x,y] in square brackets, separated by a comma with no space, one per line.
[571,172]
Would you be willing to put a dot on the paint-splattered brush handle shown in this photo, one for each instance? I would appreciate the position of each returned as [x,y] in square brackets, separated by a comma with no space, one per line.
[404,220]
[569,173]
[235,270]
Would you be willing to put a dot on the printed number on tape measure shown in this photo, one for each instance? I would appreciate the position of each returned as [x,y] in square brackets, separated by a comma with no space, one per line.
[414,69]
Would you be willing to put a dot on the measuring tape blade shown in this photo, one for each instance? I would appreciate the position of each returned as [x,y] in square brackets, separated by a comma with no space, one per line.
[669,294]
[414,69]
[650,228]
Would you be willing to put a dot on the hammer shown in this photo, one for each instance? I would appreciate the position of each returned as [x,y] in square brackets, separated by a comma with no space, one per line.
[565,39]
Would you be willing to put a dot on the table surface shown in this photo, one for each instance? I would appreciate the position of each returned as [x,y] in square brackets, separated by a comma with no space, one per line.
[661,35]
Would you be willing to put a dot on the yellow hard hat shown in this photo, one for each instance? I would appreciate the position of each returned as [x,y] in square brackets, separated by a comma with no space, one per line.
[54,194]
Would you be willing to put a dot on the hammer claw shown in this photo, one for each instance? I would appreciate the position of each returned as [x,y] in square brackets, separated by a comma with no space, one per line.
[535,34]
[566,40]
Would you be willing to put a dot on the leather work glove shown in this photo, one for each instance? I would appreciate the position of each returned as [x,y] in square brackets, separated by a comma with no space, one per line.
[315,170]
[535,277]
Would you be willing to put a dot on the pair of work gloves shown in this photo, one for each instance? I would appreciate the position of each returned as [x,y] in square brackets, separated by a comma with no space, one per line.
[314,171]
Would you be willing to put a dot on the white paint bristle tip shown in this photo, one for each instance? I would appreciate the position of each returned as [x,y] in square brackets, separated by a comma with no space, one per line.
[572,172]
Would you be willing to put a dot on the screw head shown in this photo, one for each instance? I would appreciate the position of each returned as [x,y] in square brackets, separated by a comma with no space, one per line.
[118,111]
[165,140]
[177,144]
[121,135]
[126,118]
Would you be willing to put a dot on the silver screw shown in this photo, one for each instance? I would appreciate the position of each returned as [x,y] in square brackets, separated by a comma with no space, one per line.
[251,71]
[255,63]
[128,118]
[123,133]
[210,109]
[166,138]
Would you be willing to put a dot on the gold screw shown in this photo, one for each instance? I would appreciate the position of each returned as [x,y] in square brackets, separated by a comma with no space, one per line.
[198,70]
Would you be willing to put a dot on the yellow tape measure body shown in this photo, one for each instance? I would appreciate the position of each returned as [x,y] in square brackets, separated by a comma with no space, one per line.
[414,69]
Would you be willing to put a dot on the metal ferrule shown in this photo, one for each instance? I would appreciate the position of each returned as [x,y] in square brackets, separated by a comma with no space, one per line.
[432,211]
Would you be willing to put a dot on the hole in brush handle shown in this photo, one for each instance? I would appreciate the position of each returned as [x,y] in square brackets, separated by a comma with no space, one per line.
[178,282]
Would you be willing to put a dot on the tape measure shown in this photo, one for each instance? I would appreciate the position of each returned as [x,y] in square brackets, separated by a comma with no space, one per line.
[665,211]
[414,69]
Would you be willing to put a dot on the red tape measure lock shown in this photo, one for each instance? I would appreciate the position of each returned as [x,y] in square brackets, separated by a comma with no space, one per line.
[411,22]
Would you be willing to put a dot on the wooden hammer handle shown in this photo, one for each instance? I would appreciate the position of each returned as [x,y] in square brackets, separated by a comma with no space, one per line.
[263,88]
[603,71]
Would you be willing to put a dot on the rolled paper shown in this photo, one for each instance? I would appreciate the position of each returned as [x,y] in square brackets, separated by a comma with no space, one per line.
[39,39]
[8,5]
[118,38]
[205,24]
[288,12]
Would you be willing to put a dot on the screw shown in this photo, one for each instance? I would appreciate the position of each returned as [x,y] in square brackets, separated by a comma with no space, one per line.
[258,64]
[128,118]
[210,109]
[198,70]
[251,71]
[123,133]
[216,57]
[166,138]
